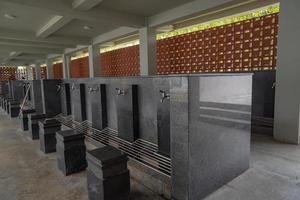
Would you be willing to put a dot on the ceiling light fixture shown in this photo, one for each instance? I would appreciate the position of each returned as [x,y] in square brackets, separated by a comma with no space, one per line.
[88,27]
[10,16]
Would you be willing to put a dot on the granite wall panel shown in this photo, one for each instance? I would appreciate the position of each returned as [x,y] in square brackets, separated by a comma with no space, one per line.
[51,97]
[79,102]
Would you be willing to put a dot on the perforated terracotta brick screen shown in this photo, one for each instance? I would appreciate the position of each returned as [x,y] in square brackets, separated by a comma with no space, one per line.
[7,73]
[80,68]
[245,46]
[249,45]
[58,71]
[43,73]
[121,62]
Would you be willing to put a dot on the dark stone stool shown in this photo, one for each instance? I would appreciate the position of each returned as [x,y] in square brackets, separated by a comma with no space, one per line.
[107,174]
[33,123]
[70,151]
[24,118]
[48,129]
[14,109]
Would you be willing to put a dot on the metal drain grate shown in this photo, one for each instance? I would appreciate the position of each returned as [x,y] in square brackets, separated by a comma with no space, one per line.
[140,150]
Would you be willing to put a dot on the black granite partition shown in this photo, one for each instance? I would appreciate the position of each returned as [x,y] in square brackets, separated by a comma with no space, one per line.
[78,96]
[4,88]
[210,132]
[263,99]
[98,105]
[163,115]
[65,92]
[127,112]
[36,95]
[148,95]
[16,90]
[51,97]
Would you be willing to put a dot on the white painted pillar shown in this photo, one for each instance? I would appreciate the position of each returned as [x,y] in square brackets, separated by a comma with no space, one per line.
[49,66]
[287,99]
[29,72]
[66,66]
[147,51]
[94,61]
[38,71]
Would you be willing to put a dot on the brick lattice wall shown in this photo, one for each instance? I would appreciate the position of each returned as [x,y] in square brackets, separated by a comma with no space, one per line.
[7,73]
[80,68]
[121,62]
[58,71]
[43,73]
[249,45]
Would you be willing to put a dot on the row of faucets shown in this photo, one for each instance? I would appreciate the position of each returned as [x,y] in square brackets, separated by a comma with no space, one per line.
[120,91]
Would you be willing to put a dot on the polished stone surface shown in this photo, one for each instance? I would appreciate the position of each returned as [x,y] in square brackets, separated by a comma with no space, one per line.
[106,161]
[163,116]
[14,109]
[127,112]
[16,89]
[65,93]
[148,95]
[114,188]
[78,96]
[4,87]
[263,99]
[70,151]
[219,136]
[179,109]
[33,123]
[48,129]
[210,132]
[50,97]
[36,95]
[99,106]
[24,118]
[107,174]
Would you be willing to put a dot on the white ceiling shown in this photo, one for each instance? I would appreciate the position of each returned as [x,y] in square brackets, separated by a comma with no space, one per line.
[43,27]
[141,7]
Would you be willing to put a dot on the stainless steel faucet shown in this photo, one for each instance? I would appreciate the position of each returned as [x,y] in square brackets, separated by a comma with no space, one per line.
[59,87]
[73,87]
[120,91]
[164,95]
[93,89]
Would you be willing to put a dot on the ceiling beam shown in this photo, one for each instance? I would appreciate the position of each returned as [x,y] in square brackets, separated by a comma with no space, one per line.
[58,7]
[29,57]
[53,25]
[33,44]
[85,4]
[30,50]
[114,34]
[193,9]
[28,37]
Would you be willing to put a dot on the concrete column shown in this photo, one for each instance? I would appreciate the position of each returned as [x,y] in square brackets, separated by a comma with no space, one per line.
[38,71]
[49,66]
[66,66]
[94,61]
[29,73]
[147,51]
[287,98]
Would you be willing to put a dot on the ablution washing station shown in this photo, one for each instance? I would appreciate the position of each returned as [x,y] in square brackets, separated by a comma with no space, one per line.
[182,136]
